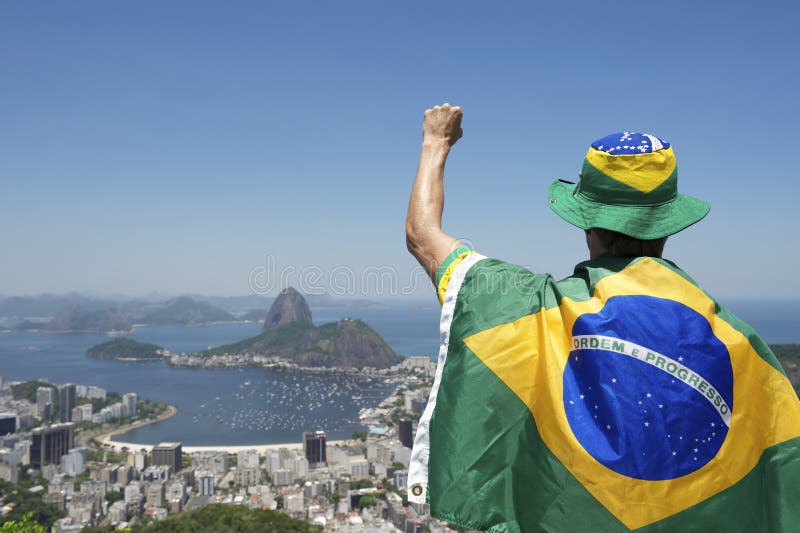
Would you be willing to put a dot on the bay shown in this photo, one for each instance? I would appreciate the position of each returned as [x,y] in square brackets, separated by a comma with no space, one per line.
[262,406]
[223,406]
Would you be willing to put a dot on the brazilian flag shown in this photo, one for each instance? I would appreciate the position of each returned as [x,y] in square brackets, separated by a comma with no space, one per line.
[620,398]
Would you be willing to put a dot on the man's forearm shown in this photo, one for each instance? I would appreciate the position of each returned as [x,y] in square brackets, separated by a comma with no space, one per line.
[424,236]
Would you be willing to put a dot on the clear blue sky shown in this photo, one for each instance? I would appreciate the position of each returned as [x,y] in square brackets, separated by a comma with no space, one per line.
[173,146]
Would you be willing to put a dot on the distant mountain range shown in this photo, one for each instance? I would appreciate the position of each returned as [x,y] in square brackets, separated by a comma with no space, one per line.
[76,312]
[121,318]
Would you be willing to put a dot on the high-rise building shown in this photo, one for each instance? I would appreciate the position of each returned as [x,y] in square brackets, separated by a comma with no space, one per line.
[405,434]
[247,459]
[298,464]
[50,443]
[214,462]
[272,461]
[132,492]
[154,493]
[66,396]
[281,477]
[176,491]
[8,423]
[72,463]
[129,402]
[314,444]
[247,477]
[82,413]
[359,468]
[138,460]
[206,480]
[44,396]
[168,453]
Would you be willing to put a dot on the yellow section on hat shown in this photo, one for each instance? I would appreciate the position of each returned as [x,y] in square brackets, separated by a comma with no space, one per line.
[643,172]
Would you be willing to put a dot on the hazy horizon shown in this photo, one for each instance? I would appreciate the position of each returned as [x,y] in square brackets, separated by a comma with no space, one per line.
[178,148]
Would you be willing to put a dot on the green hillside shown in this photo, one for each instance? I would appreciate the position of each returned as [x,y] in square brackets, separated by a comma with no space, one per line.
[220,518]
[125,348]
[344,344]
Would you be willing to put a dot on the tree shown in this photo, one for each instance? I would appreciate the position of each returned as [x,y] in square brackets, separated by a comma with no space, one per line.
[361,484]
[114,496]
[367,500]
[23,525]
[24,502]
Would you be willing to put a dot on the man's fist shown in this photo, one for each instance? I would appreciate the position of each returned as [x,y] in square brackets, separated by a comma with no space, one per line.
[442,123]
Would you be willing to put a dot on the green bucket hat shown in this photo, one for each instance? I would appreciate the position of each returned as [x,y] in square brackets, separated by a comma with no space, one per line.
[628,184]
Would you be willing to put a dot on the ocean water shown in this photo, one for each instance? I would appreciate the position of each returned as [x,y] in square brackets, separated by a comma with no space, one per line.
[222,406]
[262,406]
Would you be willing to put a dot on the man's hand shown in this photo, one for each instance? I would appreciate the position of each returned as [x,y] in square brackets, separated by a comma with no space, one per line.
[426,241]
[442,123]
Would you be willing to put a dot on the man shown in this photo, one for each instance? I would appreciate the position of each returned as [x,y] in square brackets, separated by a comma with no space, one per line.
[622,397]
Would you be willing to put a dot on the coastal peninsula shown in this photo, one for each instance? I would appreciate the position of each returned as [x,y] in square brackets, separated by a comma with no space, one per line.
[290,337]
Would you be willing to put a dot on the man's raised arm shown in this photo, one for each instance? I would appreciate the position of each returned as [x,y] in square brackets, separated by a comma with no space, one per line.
[426,241]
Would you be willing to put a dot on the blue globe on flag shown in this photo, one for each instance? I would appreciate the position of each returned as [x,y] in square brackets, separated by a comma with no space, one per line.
[648,389]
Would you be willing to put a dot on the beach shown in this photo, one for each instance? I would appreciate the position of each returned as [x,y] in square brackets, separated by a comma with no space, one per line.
[118,446]
[105,436]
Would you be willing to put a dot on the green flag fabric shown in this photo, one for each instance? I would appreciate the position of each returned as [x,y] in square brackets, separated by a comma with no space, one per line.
[620,398]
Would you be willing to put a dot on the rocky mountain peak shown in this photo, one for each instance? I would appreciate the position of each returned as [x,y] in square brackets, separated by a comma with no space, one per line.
[288,307]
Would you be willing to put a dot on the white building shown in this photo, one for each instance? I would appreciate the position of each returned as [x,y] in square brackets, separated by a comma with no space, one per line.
[247,477]
[214,462]
[154,493]
[138,460]
[281,477]
[132,493]
[19,455]
[359,468]
[82,413]
[379,469]
[117,513]
[273,461]
[72,463]
[95,393]
[294,503]
[298,464]
[177,491]
[247,459]
[44,397]
[402,454]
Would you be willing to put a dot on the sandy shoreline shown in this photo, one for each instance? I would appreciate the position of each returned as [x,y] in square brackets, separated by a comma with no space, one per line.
[105,436]
[118,446]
